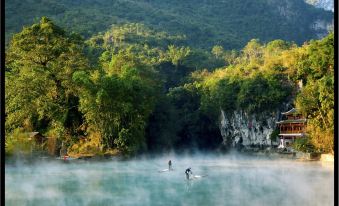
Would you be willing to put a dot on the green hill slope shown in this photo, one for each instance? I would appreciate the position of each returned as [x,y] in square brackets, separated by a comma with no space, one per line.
[205,23]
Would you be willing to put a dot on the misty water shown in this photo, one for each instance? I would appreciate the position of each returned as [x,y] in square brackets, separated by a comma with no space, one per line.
[230,180]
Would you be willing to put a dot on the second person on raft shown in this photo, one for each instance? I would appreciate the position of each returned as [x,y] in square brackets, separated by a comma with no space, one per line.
[170,165]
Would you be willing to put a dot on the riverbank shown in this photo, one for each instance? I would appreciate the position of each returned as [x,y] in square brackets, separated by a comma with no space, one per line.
[289,154]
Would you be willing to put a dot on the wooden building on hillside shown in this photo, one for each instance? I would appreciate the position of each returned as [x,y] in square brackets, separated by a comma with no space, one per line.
[292,126]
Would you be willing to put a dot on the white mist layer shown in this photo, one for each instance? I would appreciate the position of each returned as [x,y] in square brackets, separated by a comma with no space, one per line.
[230,180]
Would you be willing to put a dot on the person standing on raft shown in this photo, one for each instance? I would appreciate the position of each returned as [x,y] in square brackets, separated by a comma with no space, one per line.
[188,170]
[170,165]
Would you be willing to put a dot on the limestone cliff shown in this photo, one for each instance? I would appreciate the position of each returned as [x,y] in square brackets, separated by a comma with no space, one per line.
[238,126]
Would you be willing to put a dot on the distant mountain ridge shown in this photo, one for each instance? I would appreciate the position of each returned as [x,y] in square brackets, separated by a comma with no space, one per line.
[230,23]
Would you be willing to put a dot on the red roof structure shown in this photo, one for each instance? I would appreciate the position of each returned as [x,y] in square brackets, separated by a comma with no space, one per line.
[292,126]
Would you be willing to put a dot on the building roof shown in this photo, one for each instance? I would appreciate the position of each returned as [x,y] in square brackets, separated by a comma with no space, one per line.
[292,121]
[293,110]
[32,134]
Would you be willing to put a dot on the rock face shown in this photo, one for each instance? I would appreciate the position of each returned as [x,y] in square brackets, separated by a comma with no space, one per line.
[325,4]
[322,28]
[240,127]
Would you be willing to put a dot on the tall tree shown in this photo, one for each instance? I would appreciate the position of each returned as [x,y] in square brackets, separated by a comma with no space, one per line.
[177,54]
[217,51]
[40,61]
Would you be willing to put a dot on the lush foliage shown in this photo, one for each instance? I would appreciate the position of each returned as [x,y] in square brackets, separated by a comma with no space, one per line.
[39,89]
[316,99]
[18,143]
[303,145]
[251,82]
[132,89]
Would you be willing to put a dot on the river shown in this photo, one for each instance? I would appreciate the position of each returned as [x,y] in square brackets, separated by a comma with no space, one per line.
[230,180]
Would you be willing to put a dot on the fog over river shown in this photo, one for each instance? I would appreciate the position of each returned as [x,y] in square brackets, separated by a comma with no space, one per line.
[231,180]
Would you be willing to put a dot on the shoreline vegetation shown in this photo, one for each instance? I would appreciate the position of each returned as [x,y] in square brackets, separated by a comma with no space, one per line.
[134,90]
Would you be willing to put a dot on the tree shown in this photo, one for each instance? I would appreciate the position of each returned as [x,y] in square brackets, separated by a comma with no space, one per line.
[230,57]
[177,54]
[316,102]
[117,105]
[40,62]
[253,50]
[217,51]
[316,99]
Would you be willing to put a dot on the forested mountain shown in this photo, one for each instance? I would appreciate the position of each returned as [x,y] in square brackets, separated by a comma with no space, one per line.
[152,75]
[132,89]
[229,23]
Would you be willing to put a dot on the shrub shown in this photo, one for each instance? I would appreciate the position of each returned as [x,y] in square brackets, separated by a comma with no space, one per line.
[303,145]
[18,142]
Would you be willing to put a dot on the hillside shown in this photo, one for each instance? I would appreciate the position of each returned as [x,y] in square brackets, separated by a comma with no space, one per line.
[133,89]
[230,23]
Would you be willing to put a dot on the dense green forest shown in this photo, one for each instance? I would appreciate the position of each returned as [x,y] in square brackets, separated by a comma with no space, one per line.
[202,23]
[132,89]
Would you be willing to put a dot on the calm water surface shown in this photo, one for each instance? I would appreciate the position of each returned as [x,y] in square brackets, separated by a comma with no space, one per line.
[230,180]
